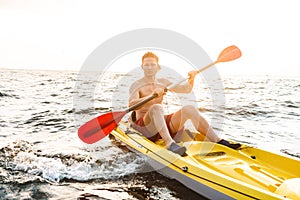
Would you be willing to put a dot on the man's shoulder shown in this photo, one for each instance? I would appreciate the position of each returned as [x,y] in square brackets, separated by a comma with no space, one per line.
[135,85]
[164,81]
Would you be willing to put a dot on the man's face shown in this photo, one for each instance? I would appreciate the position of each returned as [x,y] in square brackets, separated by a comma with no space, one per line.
[150,66]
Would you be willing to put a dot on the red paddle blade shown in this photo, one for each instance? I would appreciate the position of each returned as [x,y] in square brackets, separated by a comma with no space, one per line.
[99,127]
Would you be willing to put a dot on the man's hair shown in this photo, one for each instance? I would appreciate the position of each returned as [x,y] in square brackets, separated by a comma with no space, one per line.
[150,55]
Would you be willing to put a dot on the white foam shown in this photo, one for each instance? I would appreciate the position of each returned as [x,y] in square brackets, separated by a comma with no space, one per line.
[110,164]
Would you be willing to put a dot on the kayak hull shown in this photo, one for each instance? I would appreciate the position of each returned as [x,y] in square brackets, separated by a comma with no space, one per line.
[191,183]
[215,171]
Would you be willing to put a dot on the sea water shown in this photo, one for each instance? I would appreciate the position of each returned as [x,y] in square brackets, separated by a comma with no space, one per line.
[41,156]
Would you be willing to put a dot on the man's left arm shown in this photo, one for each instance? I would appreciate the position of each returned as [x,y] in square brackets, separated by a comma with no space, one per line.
[188,86]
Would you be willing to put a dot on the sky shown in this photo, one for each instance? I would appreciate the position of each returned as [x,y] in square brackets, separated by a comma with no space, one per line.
[60,35]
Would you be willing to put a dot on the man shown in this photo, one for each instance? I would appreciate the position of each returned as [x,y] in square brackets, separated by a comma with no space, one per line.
[150,118]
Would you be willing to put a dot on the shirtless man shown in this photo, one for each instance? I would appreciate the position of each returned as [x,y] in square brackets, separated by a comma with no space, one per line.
[150,118]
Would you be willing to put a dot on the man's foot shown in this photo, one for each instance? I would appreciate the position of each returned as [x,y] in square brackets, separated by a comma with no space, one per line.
[230,145]
[177,149]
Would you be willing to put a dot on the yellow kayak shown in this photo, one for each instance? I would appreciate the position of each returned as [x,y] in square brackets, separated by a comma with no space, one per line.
[218,172]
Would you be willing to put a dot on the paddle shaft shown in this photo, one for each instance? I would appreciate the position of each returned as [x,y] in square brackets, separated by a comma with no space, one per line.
[198,71]
[153,96]
[228,54]
[135,106]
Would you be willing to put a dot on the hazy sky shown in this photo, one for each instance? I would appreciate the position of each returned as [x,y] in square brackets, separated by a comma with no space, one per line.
[54,34]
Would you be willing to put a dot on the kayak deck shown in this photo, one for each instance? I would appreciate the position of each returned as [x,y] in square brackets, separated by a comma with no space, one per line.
[247,173]
[241,165]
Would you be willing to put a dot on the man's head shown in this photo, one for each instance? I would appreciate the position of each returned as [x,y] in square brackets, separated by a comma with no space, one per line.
[150,59]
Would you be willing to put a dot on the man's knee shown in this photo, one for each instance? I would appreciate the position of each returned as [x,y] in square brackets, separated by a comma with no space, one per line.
[189,109]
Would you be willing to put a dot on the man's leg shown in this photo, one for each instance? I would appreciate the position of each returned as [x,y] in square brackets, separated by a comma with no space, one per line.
[155,122]
[190,112]
[202,126]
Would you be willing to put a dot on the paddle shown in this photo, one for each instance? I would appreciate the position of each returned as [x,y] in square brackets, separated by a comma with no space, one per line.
[99,127]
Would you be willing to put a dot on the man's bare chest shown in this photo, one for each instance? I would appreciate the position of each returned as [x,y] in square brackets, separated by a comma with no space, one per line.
[148,89]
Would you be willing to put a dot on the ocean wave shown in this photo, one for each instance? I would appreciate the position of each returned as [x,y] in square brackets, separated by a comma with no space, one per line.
[68,111]
[48,119]
[2,94]
[247,111]
[290,104]
[234,88]
[291,153]
[111,163]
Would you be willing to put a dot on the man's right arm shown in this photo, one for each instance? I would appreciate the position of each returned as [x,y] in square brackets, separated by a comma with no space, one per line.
[134,96]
